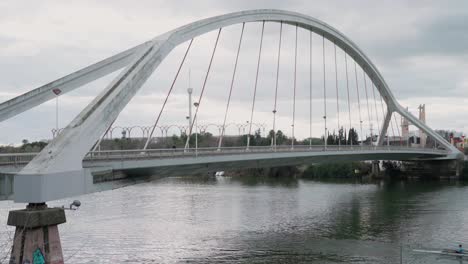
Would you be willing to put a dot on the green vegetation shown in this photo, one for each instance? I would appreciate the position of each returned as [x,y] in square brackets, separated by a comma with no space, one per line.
[392,168]
[27,146]
[341,138]
[337,170]
[464,174]
[205,139]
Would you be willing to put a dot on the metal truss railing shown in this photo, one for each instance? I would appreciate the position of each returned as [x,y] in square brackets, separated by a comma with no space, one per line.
[16,159]
[213,151]
[21,159]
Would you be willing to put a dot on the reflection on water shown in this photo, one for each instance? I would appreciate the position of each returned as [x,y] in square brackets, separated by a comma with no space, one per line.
[264,220]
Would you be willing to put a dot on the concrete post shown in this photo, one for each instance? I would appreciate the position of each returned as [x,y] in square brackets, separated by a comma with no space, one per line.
[36,237]
[3,184]
[375,172]
[422,118]
[6,185]
[405,129]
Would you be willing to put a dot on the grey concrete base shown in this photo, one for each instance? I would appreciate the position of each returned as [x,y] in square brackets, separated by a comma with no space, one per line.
[28,218]
[39,188]
[375,173]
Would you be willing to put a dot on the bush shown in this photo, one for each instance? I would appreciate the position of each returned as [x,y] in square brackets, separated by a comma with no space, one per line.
[337,170]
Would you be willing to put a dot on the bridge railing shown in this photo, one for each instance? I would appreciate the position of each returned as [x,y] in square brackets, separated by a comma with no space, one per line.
[21,159]
[16,159]
[192,152]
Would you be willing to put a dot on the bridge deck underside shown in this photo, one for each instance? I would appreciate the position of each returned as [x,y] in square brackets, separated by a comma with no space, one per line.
[203,164]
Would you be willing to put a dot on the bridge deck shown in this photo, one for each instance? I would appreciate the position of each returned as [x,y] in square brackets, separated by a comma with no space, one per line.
[173,161]
[18,160]
[193,161]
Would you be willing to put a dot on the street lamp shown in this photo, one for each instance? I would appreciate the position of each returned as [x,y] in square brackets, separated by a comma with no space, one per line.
[273,139]
[196,104]
[189,117]
[292,139]
[325,136]
[248,136]
[190,123]
[124,133]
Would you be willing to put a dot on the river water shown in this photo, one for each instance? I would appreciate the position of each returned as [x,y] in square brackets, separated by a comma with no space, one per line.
[257,220]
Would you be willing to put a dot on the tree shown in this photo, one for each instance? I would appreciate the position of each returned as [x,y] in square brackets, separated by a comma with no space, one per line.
[313,140]
[341,136]
[353,138]
[331,139]
[280,138]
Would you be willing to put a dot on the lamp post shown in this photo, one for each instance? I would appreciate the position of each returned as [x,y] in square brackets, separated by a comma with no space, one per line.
[273,139]
[248,136]
[196,104]
[57,92]
[189,91]
[292,139]
[325,136]
[124,133]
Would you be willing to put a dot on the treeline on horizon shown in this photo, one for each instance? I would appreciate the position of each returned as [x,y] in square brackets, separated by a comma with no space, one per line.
[204,139]
[207,139]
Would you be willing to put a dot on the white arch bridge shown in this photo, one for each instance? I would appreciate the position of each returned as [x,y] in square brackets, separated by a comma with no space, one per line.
[68,165]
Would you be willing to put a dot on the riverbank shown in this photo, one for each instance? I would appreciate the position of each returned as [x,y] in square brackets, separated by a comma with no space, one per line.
[348,170]
[314,171]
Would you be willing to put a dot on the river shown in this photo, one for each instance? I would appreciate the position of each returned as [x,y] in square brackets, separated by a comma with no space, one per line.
[258,220]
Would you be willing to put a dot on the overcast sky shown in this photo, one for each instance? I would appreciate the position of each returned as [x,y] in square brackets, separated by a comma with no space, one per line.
[420,47]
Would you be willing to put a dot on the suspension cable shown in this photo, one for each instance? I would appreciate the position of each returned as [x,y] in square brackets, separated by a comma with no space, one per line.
[369,116]
[203,89]
[167,96]
[337,100]
[255,87]
[310,89]
[359,102]
[324,96]
[375,108]
[294,93]
[98,143]
[393,130]
[230,89]
[349,102]
[397,129]
[273,140]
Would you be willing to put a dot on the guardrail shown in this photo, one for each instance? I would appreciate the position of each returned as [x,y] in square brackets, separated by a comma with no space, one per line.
[16,159]
[192,152]
[20,159]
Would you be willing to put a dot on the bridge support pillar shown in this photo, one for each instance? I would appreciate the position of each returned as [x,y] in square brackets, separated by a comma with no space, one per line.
[36,237]
[375,172]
